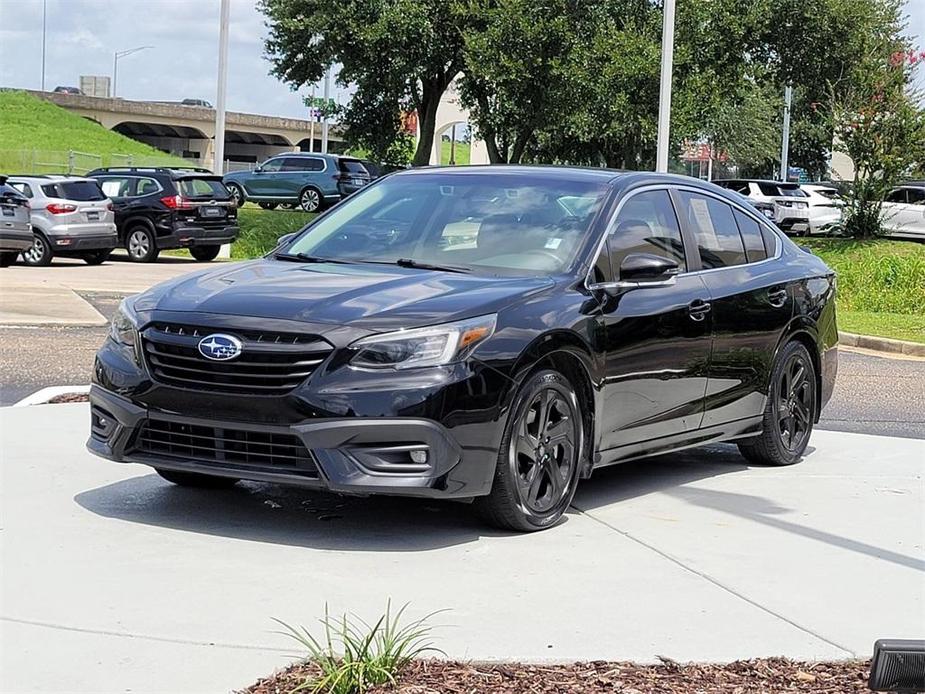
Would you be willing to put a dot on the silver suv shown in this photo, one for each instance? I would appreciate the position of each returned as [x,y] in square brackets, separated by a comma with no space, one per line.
[71,216]
[15,229]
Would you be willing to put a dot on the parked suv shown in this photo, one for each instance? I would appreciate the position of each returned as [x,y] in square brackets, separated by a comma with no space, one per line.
[791,208]
[486,333]
[161,208]
[311,181]
[903,211]
[71,217]
[15,229]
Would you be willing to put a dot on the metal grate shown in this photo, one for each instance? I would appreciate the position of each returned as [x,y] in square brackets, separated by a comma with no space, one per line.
[270,363]
[275,451]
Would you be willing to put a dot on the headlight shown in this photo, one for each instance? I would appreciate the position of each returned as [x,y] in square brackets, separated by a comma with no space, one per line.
[440,344]
[122,329]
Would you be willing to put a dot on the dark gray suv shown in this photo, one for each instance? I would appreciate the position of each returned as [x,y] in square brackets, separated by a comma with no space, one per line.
[15,227]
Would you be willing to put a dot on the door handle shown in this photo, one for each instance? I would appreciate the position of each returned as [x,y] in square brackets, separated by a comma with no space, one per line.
[777,297]
[698,309]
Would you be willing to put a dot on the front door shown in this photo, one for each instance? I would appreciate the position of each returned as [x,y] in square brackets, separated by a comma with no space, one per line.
[658,338]
[752,303]
[263,182]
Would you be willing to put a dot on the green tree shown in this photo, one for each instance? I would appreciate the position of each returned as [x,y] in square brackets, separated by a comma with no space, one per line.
[398,53]
[880,125]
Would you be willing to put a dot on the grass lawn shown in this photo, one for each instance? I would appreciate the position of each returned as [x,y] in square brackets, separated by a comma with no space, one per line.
[35,136]
[462,152]
[899,326]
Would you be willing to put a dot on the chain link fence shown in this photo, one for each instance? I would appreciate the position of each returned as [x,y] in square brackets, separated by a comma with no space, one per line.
[37,161]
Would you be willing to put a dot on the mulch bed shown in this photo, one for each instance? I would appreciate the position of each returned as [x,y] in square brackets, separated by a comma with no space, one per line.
[69,397]
[741,677]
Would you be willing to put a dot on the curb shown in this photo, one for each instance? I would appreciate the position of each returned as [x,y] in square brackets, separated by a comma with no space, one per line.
[882,344]
[40,397]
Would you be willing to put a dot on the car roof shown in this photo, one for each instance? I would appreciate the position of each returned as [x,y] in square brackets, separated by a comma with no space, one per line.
[177,172]
[322,155]
[757,180]
[48,178]
[550,171]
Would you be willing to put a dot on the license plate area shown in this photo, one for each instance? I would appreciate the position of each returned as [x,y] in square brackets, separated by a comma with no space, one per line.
[7,211]
[211,212]
[93,216]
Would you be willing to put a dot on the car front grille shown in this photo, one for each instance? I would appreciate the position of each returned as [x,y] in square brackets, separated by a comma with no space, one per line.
[270,363]
[225,446]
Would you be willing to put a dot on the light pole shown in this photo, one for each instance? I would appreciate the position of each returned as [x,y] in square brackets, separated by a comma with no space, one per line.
[218,157]
[44,8]
[115,63]
[664,96]
[785,136]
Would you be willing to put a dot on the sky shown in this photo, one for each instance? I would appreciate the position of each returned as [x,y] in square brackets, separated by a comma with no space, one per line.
[82,35]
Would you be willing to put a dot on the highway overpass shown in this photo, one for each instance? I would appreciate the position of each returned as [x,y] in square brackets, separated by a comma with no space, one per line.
[189,131]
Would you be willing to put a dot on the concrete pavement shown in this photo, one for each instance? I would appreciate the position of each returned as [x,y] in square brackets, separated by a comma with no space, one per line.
[114,579]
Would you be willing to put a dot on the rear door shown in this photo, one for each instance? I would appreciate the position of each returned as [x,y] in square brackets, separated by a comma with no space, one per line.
[903,212]
[206,201]
[92,206]
[658,338]
[752,302]
[120,190]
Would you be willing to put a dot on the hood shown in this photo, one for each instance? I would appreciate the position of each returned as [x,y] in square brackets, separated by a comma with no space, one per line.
[373,297]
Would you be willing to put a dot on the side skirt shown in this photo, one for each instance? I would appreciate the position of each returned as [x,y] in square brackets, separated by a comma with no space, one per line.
[729,431]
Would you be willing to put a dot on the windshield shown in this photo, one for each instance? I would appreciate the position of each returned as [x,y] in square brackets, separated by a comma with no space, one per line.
[495,223]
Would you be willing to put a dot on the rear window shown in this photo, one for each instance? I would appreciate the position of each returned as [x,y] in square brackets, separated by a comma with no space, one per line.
[780,189]
[352,166]
[202,188]
[79,191]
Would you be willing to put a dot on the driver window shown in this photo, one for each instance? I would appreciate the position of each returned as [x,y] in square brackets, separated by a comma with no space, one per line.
[271,165]
[898,195]
[647,223]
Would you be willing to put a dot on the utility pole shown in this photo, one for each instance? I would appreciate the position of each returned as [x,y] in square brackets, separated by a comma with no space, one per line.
[452,161]
[664,97]
[218,157]
[311,117]
[44,8]
[324,123]
[785,140]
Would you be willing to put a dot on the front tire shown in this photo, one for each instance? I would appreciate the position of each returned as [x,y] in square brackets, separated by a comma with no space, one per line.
[196,479]
[789,413]
[204,253]
[310,200]
[237,193]
[40,254]
[141,245]
[539,459]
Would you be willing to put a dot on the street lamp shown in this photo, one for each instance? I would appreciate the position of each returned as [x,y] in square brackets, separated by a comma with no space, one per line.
[115,63]
[664,96]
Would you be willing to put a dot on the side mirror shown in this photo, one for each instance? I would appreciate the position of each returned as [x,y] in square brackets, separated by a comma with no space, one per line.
[286,238]
[643,268]
[258,169]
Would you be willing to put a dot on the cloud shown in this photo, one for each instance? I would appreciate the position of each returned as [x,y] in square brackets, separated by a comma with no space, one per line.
[82,35]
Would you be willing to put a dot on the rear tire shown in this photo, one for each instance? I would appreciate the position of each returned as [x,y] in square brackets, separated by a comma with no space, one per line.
[204,253]
[8,258]
[196,479]
[789,412]
[539,458]
[141,245]
[96,257]
[40,254]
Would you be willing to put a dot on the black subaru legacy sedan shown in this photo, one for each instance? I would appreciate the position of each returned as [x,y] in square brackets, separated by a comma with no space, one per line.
[484,333]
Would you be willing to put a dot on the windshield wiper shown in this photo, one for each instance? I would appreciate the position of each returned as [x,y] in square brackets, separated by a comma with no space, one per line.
[306,258]
[410,262]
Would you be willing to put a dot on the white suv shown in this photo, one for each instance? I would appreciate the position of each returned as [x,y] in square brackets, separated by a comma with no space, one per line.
[825,206]
[789,204]
[71,216]
[903,211]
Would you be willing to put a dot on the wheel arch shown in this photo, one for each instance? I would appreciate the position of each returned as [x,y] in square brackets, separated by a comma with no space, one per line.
[803,330]
[565,352]
[135,221]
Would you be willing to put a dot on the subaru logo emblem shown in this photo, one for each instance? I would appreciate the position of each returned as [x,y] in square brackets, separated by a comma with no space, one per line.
[220,347]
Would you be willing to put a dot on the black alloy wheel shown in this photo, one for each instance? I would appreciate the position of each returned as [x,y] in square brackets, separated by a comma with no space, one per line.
[790,411]
[538,462]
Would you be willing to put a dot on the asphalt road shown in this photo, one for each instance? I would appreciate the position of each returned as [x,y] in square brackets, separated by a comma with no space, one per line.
[873,395]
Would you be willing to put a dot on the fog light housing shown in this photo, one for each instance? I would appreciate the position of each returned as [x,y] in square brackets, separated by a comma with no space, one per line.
[418,456]
[898,665]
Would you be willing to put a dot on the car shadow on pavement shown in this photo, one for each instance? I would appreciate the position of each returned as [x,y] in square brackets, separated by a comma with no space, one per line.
[290,516]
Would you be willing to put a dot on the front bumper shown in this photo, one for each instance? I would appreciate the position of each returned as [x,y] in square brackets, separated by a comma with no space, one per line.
[350,455]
